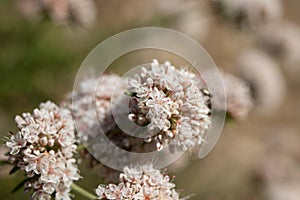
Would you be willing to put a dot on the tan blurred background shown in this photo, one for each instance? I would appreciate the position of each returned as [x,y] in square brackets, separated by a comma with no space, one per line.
[255,159]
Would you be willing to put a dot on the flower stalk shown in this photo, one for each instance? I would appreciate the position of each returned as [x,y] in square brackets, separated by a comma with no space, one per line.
[83,192]
[80,147]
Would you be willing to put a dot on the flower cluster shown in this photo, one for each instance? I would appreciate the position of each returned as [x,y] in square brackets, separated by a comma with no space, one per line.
[60,11]
[43,149]
[143,182]
[172,106]
[91,104]
[284,42]
[238,96]
[256,67]
[249,13]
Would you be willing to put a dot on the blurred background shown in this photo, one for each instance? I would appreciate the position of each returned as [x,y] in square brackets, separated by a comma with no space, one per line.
[43,42]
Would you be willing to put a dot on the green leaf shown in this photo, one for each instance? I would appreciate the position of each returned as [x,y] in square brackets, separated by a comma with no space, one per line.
[128,93]
[21,184]
[13,170]
[4,162]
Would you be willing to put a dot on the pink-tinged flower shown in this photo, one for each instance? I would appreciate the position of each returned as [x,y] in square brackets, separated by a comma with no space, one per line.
[63,192]
[43,149]
[140,183]
[238,96]
[265,78]
[16,143]
[40,195]
[91,105]
[172,106]
[282,40]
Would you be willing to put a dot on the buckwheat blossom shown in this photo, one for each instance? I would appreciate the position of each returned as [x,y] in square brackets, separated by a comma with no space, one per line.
[265,79]
[194,22]
[238,96]
[137,183]
[91,104]
[168,101]
[189,17]
[249,13]
[91,107]
[282,40]
[43,149]
[83,12]
[61,12]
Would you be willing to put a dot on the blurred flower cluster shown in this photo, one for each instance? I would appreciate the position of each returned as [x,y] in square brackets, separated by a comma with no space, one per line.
[250,14]
[61,12]
[91,104]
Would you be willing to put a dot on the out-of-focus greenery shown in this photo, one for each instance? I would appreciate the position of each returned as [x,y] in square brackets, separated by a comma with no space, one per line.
[38,62]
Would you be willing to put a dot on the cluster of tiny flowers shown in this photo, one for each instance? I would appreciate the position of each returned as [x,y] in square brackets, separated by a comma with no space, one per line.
[43,149]
[284,42]
[189,17]
[256,67]
[140,183]
[172,106]
[238,96]
[250,13]
[60,11]
[91,104]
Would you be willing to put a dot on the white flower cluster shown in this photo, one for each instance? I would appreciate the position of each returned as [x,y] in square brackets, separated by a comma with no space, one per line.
[91,104]
[238,96]
[172,106]
[266,80]
[140,183]
[250,13]
[282,40]
[43,148]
